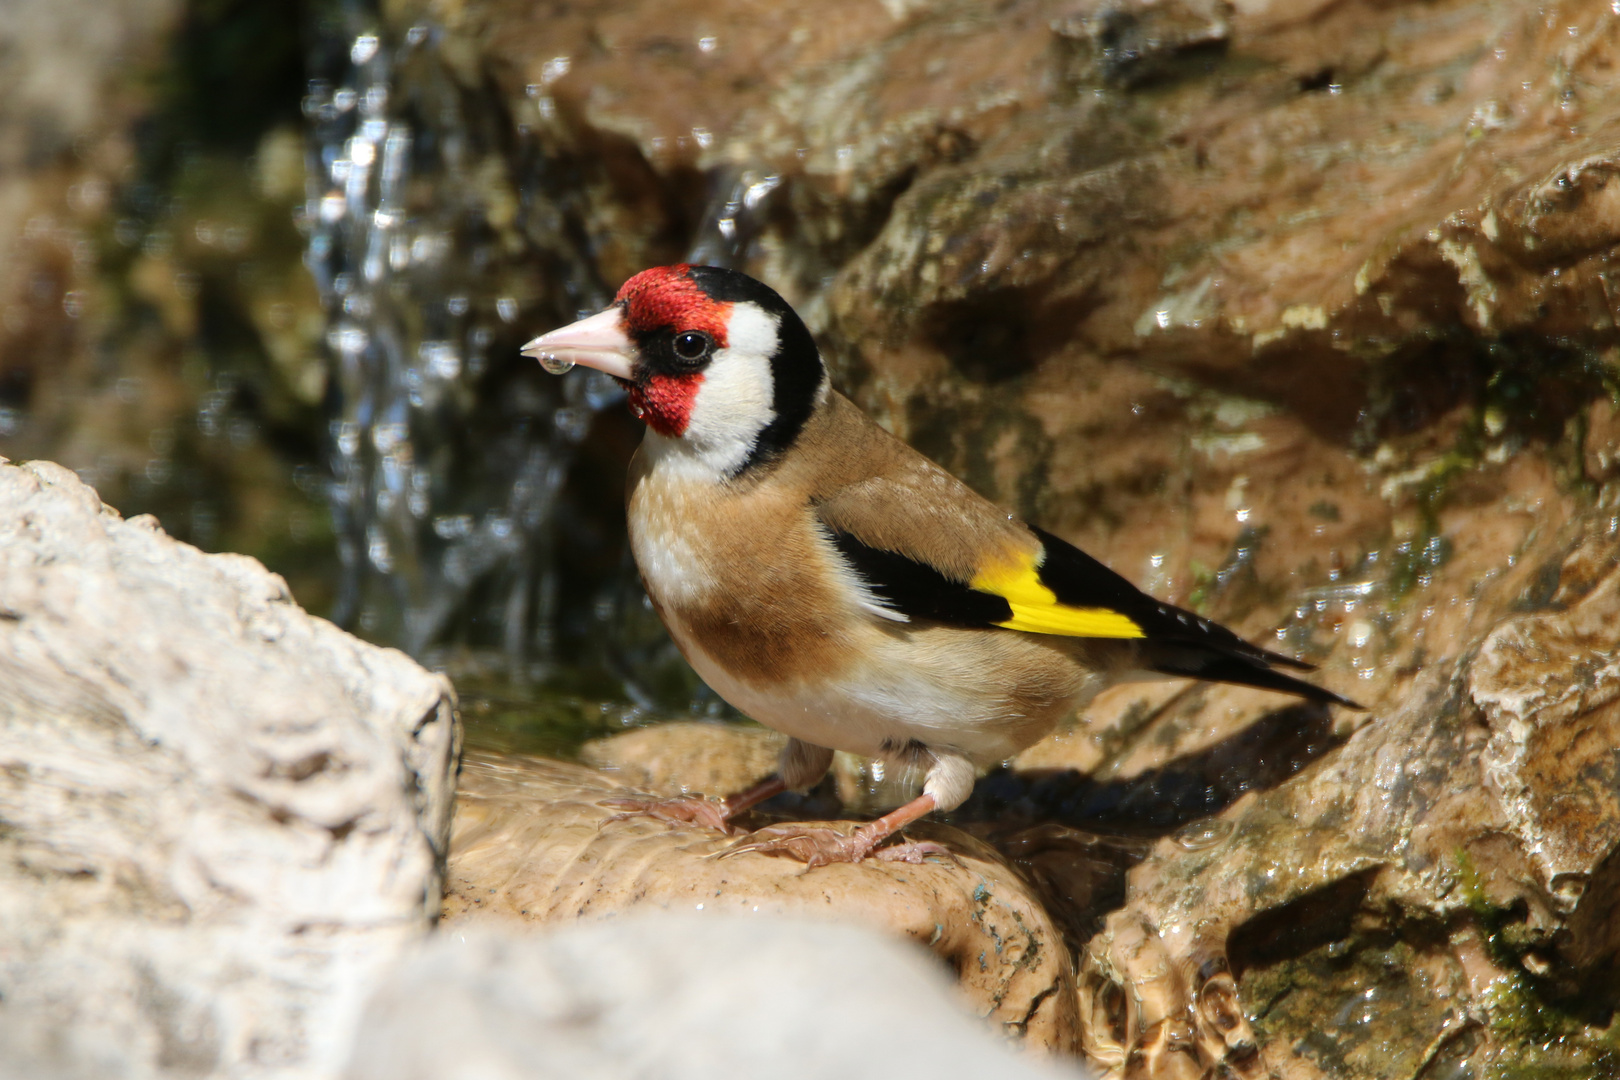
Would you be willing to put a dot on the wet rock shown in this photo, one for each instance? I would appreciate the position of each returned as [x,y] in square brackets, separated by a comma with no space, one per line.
[219,816]
[67,96]
[704,996]
[159,333]
[1438,890]
[531,842]
[683,757]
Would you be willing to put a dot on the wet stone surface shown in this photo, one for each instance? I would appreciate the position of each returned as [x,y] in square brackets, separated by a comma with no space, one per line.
[1408,898]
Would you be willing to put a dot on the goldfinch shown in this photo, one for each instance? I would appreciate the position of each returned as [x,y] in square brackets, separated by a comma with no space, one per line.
[836,585]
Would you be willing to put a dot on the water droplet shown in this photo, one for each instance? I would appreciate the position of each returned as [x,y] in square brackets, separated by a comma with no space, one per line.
[364,48]
[1203,834]
[556,365]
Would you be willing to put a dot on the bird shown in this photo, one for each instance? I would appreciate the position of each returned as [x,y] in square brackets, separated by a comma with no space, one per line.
[833,583]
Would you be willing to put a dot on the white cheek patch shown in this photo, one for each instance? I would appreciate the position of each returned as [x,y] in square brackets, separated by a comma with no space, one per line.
[733,404]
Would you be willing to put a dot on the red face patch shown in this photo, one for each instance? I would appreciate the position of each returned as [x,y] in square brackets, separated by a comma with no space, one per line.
[664,402]
[666,298]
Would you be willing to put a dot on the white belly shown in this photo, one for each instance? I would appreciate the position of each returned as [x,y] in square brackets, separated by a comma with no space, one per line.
[875,710]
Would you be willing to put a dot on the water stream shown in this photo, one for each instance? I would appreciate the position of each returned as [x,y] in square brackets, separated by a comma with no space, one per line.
[451,454]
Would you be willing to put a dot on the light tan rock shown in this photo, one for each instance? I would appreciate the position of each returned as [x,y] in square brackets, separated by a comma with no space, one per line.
[530,841]
[682,757]
[220,817]
[687,757]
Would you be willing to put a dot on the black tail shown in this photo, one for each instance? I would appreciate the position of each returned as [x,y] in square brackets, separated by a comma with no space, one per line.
[1178,642]
[1245,668]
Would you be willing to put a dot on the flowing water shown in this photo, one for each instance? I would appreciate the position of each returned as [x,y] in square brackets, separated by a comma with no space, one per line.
[451,455]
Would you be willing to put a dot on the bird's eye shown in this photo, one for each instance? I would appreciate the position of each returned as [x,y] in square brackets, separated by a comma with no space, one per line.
[692,345]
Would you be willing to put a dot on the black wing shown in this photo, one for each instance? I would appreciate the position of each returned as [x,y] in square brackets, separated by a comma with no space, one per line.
[1173,641]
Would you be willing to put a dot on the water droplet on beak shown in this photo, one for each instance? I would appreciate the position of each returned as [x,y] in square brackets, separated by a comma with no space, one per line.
[556,365]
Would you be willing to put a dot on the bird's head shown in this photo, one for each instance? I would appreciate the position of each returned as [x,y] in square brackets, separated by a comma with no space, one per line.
[716,363]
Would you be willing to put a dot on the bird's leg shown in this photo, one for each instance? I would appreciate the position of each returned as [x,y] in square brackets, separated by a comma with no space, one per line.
[801,766]
[950,780]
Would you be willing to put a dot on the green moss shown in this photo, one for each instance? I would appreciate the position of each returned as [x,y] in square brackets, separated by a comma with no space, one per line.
[1355,1008]
[1539,1037]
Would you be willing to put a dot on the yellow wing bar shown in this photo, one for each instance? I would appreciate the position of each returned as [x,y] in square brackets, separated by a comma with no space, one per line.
[1035,608]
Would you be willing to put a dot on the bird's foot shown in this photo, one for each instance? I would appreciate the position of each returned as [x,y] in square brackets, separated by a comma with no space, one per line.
[819,845]
[684,809]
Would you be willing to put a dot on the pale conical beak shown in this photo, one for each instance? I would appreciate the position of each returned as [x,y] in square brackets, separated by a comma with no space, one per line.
[597,342]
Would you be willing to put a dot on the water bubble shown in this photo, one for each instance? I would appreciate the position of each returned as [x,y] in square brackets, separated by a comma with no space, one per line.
[364,48]
[378,551]
[556,365]
[554,69]
[1203,834]
[453,526]
[386,437]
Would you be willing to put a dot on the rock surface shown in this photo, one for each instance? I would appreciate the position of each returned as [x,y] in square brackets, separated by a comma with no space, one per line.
[1300,314]
[531,842]
[219,816]
[682,757]
[676,996]
[1436,896]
